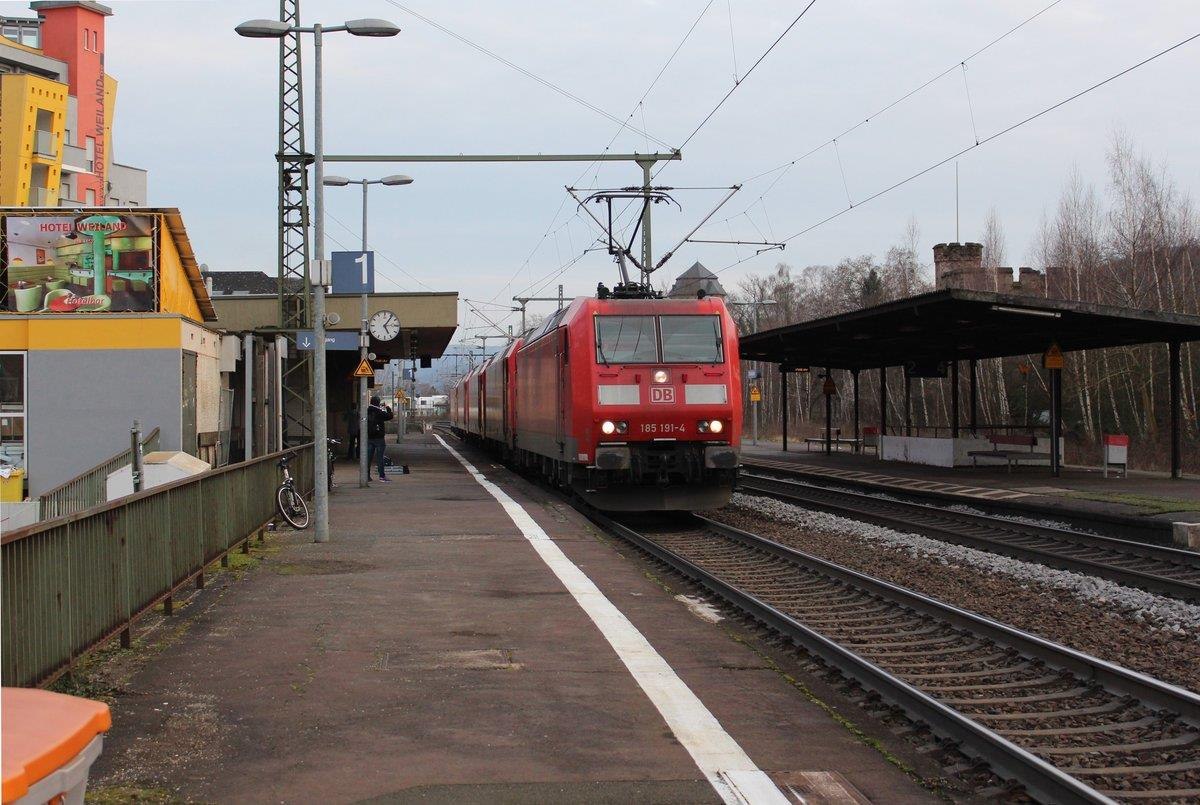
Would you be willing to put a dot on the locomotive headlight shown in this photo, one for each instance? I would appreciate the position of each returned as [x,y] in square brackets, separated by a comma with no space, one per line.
[661,376]
[622,426]
[715,426]
[608,427]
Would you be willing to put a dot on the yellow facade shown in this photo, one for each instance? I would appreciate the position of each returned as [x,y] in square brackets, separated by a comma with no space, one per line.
[81,331]
[30,105]
[175,293]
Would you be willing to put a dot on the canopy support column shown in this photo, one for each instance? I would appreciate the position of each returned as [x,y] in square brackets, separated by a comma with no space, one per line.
[882,401]
[828,411]
[973,369]
[907,404]
[1055,421]
[954,399]
[857,436]
[1175,370]
[784,402]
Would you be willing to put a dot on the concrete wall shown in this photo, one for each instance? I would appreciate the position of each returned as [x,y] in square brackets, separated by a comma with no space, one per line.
[82,404]
[946,452]
[128,186]
[207,346]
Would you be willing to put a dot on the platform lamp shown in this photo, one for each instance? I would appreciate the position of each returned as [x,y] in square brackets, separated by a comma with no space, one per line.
[394,180]
[276,29]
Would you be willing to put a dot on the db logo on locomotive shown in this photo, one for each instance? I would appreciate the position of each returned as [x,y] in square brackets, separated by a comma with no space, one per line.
[662,394]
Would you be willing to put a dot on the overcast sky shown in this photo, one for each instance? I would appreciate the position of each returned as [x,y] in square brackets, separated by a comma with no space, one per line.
[197,107]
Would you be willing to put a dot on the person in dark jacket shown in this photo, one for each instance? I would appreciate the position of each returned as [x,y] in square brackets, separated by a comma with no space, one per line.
[377,414]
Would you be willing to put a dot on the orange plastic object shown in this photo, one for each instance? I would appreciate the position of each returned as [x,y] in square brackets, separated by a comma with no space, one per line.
[43,731]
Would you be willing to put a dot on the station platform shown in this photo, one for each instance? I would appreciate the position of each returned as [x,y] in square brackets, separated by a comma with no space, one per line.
[1078,490]
[471,638]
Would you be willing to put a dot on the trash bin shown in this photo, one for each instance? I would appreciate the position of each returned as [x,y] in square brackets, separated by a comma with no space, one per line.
[48,742]
[12,485]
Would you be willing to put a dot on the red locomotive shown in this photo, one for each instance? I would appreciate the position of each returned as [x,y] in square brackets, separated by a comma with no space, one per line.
[633,403]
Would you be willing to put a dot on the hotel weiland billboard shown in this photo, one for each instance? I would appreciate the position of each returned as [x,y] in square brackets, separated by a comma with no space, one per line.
[91,262]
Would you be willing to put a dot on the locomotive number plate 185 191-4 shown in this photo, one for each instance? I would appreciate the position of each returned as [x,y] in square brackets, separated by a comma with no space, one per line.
[663,427]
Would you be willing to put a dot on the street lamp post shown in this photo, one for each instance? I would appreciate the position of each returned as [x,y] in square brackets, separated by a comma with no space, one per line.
[364,336]
[275,29]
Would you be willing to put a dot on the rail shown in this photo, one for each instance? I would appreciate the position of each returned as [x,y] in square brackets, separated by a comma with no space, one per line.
[74,582]
[836,613]
[88,488]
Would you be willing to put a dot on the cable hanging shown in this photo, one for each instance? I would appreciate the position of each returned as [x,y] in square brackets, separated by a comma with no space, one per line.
[982,142]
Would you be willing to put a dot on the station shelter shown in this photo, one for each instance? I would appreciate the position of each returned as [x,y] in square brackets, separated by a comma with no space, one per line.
[933,334]
[427,322]
[104,321]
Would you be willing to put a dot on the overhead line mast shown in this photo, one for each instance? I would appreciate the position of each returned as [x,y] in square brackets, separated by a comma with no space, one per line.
[293,222]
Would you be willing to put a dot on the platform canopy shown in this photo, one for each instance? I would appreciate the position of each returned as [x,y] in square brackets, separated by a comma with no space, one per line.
[961,325]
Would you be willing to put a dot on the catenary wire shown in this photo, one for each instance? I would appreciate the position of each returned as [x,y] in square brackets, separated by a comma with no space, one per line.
[330,216]
[981,142]
[620,128]
[523,71]
[783,169]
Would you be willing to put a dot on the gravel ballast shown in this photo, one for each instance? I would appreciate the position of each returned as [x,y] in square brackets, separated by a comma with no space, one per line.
[1149,633]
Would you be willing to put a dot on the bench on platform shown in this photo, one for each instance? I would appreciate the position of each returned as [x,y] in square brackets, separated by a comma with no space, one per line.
[835,438]
[1000,449]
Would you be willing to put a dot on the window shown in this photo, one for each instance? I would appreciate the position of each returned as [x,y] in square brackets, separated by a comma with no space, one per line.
[691,339]
[90,197]
[95,41]
[90,147]
[12,408]
[626,339]
[86,39]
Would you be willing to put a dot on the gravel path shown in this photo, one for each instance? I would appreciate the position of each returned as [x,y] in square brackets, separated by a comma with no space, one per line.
[1146,632]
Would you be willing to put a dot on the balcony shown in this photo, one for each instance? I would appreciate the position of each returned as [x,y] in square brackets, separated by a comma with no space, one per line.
[74,159]
[39,197]
[45,144]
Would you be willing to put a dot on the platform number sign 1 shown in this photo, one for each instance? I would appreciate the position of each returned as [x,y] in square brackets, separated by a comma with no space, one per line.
[353,272]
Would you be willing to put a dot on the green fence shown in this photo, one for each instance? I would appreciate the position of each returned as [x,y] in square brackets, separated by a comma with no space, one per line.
[90,488]
[75,581]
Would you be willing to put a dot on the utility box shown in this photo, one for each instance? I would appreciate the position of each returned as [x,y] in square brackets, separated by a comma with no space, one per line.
[158,468]
[12,485]
[1116,453]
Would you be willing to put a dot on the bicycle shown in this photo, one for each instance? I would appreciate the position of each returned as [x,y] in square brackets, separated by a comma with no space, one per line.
[291,503]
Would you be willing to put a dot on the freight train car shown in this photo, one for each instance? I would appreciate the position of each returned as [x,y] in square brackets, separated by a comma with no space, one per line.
[632,403]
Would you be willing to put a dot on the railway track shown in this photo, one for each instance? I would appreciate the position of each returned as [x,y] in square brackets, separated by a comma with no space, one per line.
[1166,571]
[1067,726]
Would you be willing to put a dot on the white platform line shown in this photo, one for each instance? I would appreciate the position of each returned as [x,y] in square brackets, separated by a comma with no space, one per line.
[724,763]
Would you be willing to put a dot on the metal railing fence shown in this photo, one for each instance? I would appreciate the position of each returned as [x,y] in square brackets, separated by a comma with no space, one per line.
[73,582]
[89,488]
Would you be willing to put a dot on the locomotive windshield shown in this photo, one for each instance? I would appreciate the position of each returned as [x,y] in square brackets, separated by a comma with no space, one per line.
[626,339]
[636,339]
[690,339]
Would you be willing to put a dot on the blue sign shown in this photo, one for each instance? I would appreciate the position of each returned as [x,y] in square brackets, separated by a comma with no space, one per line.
[334,339]
[353,272]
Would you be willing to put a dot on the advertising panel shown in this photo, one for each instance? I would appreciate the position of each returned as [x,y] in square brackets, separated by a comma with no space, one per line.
[91,262]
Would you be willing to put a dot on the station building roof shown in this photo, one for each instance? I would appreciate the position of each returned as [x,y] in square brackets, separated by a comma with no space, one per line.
[427,319]
[961,325]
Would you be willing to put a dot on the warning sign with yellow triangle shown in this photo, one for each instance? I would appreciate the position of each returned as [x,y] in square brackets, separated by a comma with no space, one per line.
[364,369]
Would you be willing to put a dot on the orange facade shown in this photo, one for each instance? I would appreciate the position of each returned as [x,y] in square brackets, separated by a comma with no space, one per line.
[75,34]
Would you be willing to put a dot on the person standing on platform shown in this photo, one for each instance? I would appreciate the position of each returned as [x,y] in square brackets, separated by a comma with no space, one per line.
[377,414]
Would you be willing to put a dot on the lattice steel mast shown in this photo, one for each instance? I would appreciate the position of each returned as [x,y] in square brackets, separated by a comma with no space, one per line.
[294,286]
